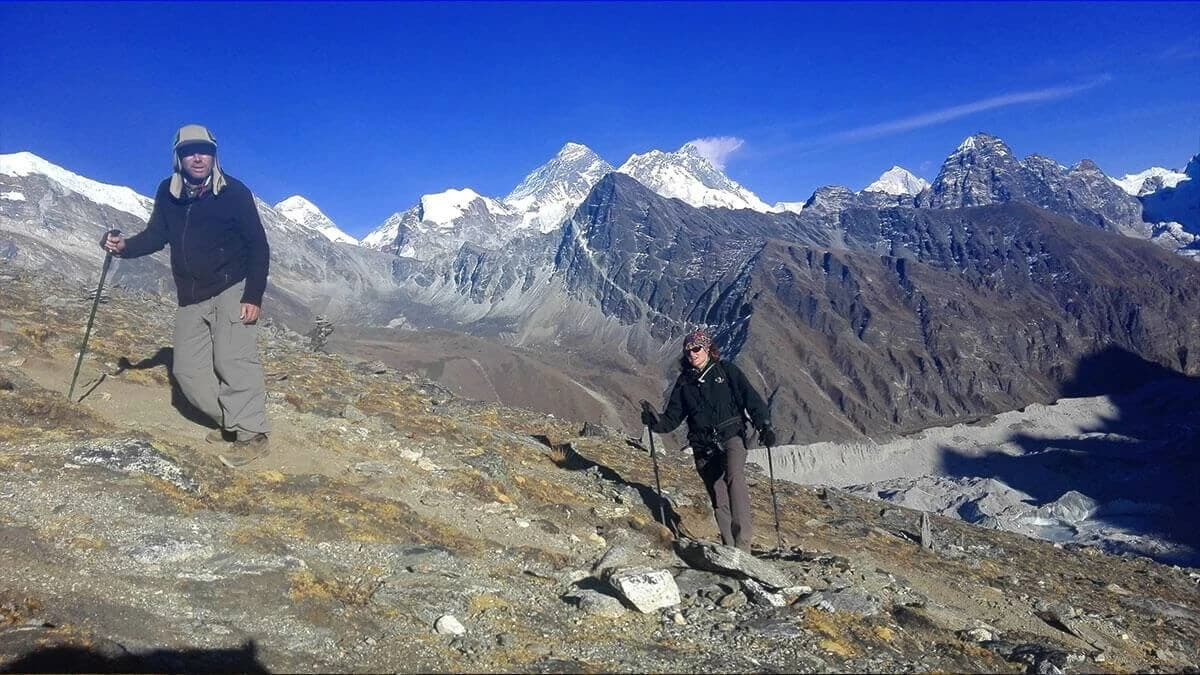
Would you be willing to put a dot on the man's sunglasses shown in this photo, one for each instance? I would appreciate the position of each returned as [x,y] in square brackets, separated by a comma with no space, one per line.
[696,350]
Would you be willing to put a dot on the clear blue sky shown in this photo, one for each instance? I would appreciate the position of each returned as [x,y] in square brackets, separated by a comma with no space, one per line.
[363,107]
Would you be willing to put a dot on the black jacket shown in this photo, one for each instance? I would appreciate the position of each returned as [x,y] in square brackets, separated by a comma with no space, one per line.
[216,241]
[713,401]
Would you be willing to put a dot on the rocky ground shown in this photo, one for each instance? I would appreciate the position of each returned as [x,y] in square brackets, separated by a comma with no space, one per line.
[395,527]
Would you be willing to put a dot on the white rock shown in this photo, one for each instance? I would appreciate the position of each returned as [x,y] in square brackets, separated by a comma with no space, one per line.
[761,596]
[448,625]
[646,589]
[796,591]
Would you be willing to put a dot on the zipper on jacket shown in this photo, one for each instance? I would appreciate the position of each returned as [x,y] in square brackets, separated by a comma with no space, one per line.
[187,220]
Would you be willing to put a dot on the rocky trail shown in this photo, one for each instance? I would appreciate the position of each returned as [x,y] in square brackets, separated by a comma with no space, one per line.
[396,527]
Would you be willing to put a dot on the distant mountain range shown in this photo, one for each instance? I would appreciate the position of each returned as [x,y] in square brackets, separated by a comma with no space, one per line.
[869,312]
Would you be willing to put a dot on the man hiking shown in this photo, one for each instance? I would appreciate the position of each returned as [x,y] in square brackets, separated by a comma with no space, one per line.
[220,260]
[714,397]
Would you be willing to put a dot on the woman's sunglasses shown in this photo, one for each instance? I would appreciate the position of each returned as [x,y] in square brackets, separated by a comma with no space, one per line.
[696,350]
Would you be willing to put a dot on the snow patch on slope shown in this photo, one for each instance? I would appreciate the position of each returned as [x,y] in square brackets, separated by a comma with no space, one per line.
[116,196]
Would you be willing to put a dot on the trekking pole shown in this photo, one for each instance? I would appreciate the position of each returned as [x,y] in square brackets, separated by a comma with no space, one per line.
[662,512]
[774,501]
[91,317]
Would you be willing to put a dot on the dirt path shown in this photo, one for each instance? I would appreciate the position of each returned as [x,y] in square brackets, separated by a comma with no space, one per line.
[147,408]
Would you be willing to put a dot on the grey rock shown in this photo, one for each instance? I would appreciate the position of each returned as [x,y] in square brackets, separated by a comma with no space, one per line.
[596,430]
[732,600]
[594,602]
[732,561]
[692,582]
[353,414]
[135,457]
[848,600]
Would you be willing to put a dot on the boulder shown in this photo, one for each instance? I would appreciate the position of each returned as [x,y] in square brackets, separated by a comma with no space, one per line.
[645,588]
[448,625]
[732,561]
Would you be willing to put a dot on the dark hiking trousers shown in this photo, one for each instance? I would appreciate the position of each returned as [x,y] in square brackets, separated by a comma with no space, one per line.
[723,470]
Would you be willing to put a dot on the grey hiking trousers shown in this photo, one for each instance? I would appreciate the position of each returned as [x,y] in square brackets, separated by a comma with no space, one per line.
[217,365]
[723,470]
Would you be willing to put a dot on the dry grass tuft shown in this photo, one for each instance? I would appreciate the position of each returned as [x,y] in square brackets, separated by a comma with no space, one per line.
[357,592]
[13,612]
[37,335]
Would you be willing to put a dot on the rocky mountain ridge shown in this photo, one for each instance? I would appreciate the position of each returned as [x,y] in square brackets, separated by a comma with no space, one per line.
[631,271]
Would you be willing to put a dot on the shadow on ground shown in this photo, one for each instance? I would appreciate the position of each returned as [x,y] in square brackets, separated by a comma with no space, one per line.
[1139,465]
[660,508]
[165,357]
[115,659]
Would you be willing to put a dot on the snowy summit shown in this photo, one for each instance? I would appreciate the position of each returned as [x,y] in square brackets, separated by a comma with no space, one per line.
[897,181]
[551,192]
[1144,182]
[303,212]
[686,175]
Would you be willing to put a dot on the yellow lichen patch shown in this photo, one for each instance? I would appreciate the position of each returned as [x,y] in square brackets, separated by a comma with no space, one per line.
[304,585]
[337,511]
[88,544]
[834,647]
[542,490]
[273,477]
[185,500]
[885,634]
[484,602]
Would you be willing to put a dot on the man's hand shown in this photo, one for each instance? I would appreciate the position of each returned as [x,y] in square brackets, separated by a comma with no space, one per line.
[113,242]
[250,313]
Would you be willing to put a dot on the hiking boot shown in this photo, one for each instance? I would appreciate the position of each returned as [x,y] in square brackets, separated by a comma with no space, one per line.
[242,453]
[221,436]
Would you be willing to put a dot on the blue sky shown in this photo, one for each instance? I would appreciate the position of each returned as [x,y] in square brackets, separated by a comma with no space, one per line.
[364,107]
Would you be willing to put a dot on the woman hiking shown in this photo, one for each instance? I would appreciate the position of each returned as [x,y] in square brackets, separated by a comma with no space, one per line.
[715,399]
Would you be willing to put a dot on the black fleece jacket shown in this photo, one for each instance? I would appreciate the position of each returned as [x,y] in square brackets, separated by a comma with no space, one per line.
[216,241]
[713,400]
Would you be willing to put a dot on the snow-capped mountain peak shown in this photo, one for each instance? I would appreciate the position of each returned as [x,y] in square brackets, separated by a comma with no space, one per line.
[550,193]
[897,181]
[303,212]
[981,143]
[686,175]
[116,196]
[443,208]
[792,207]
[1152,179]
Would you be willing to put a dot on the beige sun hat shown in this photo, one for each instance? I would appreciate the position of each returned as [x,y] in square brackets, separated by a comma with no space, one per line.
[194,134]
